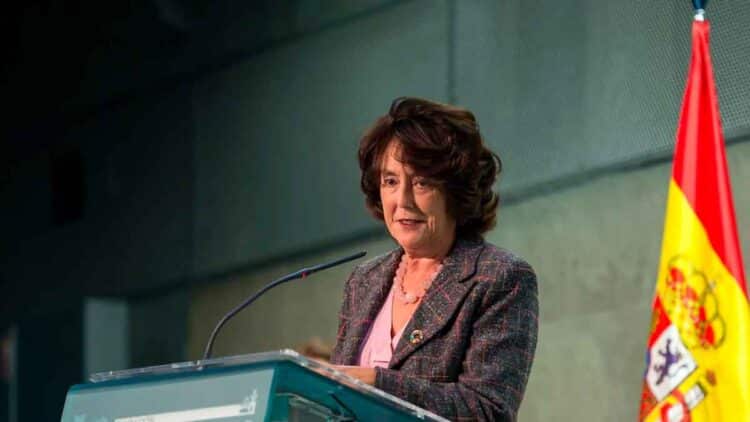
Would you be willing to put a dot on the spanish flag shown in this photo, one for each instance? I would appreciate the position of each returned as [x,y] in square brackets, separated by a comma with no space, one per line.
[698,357]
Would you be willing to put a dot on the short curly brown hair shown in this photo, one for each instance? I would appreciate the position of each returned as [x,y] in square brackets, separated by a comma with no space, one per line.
[440,142]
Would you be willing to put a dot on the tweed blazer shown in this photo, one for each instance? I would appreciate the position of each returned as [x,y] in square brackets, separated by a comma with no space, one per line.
[467,351]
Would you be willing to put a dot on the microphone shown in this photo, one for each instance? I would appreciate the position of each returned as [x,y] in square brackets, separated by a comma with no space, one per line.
[293,276]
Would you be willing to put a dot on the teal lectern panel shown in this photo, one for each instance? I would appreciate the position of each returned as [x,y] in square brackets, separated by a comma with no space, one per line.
[264,387]
[224,395]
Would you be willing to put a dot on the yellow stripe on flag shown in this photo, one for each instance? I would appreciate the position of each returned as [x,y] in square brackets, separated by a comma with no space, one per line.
[711,314]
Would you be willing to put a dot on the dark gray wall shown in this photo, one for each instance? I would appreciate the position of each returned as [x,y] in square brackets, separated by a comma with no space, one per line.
[173,163]
[135,229]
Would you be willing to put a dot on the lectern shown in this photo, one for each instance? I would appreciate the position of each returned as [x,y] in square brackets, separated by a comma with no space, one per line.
[262,387]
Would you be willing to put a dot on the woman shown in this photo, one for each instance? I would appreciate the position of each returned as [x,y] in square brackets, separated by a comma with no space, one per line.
[446,321]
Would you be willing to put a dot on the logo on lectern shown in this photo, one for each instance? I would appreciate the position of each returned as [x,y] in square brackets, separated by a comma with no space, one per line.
[249,403]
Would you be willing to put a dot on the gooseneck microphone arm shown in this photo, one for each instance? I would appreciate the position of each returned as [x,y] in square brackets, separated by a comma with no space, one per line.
[299,274]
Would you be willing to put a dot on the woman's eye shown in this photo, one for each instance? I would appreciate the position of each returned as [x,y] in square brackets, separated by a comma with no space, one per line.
[389,181]
[422,183]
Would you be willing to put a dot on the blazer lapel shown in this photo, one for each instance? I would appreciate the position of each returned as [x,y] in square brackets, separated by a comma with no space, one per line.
[441,300]
[375,283]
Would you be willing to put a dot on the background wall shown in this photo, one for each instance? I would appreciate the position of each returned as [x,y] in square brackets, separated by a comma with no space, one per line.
[180,155]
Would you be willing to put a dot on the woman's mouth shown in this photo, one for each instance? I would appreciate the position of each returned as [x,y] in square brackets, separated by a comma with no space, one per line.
[409,222]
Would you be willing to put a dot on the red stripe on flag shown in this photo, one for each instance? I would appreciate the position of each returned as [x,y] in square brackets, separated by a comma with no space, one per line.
[700,167]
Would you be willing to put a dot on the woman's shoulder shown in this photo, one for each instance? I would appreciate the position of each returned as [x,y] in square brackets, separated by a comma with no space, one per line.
[496,263]
[505,277]
[500,255]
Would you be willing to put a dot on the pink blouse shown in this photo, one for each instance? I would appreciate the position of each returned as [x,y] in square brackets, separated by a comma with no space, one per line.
[378,348]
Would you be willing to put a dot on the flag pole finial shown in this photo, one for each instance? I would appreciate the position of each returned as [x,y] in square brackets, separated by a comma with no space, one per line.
[700,9]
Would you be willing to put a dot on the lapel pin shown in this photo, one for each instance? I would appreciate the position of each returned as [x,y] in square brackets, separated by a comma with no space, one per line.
[416,337]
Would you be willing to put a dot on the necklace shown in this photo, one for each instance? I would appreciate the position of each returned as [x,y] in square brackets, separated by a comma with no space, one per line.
[398,281]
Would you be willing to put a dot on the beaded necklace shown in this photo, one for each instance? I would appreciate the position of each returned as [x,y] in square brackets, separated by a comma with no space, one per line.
[398,280]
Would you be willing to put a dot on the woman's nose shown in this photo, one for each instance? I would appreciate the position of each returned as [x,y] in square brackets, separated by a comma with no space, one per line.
[406,196]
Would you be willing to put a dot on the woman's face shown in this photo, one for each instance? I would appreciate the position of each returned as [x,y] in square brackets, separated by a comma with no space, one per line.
[414,209]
